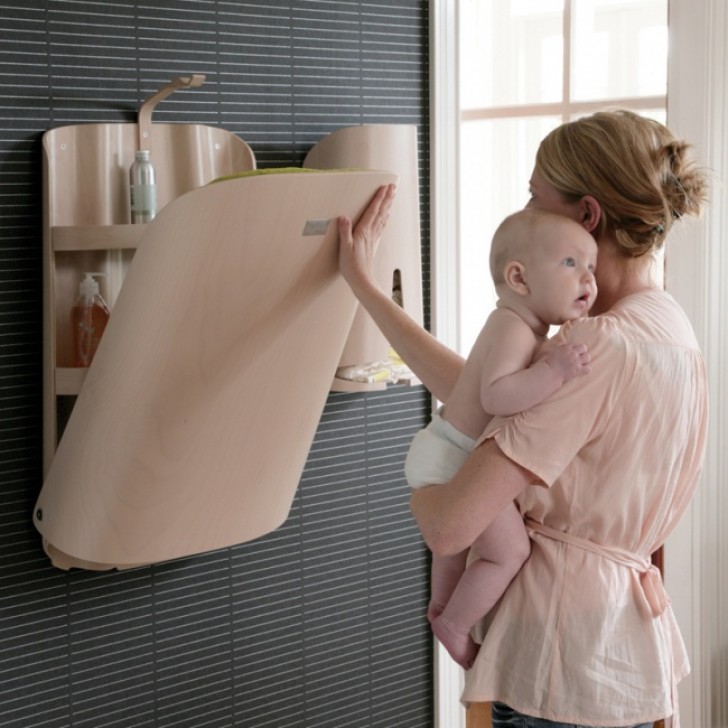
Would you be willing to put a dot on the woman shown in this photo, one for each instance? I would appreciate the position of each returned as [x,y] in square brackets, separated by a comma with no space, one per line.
[604,468]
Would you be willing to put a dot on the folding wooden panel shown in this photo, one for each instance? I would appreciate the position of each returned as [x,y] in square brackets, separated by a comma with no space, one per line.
[196,417]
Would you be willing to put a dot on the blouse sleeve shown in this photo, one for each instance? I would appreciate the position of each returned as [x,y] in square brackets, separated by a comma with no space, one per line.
[547,437]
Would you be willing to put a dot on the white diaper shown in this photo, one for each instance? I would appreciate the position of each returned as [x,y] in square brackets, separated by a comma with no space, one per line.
[437,452]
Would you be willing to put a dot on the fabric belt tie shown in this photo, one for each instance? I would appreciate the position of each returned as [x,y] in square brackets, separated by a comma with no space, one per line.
[650,578]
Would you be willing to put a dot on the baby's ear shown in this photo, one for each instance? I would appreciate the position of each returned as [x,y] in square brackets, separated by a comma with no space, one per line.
[515,278]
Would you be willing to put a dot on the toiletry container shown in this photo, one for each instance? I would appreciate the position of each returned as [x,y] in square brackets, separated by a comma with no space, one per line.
[89,317]
[143,188]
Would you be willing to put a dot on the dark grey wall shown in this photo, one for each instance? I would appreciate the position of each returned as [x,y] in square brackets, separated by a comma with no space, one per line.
[322,622]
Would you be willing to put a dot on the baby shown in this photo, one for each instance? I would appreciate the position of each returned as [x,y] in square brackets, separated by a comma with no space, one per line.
[543,266]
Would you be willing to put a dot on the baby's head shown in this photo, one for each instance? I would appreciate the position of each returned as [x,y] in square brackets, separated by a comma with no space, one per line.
[545,262]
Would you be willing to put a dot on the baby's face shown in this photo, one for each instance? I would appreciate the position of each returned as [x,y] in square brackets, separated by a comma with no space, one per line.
[560,272]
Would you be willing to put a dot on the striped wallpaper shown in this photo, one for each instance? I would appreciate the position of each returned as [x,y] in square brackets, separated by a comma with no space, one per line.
[322,622]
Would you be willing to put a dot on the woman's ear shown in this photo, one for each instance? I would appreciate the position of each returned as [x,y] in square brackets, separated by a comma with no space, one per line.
[515,277]
[590,213]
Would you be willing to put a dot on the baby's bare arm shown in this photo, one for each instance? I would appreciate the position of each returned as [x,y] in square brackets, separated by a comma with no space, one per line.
[525,389]
[568,360]
[512,379]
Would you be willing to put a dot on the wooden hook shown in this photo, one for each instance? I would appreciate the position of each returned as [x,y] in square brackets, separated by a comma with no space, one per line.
[146,109]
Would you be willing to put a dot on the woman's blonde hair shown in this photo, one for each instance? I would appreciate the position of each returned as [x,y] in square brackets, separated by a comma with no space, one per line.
[640,174]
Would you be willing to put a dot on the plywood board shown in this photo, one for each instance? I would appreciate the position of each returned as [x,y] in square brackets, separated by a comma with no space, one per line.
[195,419]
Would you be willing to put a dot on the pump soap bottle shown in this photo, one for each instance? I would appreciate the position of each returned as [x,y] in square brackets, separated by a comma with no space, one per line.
[89,317]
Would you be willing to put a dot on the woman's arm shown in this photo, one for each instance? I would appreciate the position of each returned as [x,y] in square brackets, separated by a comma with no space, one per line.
[437,366]
[451,516]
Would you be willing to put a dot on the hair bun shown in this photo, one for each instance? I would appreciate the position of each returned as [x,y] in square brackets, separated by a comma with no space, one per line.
[684,185]
[641,175]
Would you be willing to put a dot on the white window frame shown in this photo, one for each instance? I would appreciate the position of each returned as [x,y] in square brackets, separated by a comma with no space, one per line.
[696,555]
[444,255]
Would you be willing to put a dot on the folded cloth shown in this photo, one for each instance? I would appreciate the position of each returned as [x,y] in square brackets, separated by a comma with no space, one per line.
[389,371]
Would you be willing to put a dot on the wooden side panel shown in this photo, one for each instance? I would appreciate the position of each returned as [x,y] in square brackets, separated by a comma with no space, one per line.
[391,147]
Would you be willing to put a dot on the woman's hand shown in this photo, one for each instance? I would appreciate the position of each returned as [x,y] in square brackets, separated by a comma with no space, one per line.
[358,243]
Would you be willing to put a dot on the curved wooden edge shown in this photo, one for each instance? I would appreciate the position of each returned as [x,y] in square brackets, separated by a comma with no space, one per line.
[64,561]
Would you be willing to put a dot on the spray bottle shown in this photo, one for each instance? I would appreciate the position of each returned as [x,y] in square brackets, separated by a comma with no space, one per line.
[89,317]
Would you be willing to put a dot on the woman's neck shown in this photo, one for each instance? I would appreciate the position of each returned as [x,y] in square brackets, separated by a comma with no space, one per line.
[618,276]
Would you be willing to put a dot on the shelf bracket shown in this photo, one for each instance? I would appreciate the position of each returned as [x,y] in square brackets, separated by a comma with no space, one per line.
[146,109]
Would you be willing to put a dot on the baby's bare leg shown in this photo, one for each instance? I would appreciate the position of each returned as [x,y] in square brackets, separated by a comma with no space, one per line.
[501,550]
[445,573]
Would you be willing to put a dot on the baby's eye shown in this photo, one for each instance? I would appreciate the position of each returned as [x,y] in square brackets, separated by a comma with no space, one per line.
[570,262]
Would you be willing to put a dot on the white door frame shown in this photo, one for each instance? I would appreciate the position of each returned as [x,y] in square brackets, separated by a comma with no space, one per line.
[444,125]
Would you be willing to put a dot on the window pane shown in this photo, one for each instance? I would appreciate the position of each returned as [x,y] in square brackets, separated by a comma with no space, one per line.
[511,52]
[619,49]
[496,161]
[656,114]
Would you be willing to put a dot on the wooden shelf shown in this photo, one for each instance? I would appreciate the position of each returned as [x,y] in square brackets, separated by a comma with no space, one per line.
[347,385]
[96,237]
[69,380]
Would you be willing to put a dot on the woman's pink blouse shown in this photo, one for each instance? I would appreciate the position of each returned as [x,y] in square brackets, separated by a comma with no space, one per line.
[585,633]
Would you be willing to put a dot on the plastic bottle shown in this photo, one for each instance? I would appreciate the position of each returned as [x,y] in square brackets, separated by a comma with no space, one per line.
[89,317]
[143,187]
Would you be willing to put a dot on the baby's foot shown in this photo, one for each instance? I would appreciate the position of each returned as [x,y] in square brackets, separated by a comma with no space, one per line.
[459,644]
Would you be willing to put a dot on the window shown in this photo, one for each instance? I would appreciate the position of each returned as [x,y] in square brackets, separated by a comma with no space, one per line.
[524,67]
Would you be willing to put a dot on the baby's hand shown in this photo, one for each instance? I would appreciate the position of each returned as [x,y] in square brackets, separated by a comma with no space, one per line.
[568,360]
